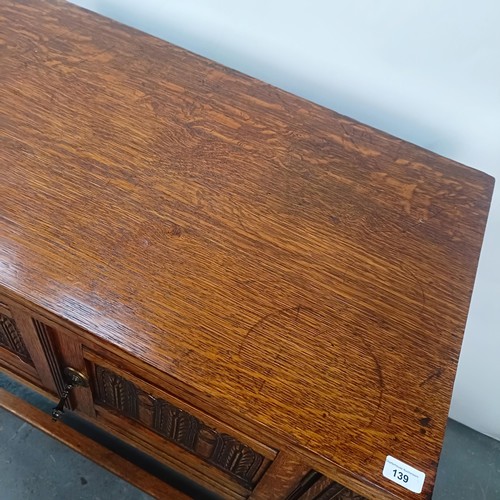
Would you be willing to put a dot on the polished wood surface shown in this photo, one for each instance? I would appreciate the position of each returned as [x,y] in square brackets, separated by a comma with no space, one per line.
[300,269]
[88,448]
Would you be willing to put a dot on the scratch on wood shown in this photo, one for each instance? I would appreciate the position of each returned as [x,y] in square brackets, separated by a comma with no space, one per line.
[263,383]
[421,221]
[378,368]
[262,320]
[419,284]
[297,314]
[435,374]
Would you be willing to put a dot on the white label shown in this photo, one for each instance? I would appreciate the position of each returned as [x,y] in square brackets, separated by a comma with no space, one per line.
[403,474]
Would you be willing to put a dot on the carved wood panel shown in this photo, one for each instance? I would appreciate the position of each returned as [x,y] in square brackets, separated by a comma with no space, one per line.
[178,426]
[117,392]
[45,335]
[315,486]
[10,339]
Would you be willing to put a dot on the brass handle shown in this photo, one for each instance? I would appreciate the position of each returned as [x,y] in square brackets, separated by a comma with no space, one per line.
[73,378]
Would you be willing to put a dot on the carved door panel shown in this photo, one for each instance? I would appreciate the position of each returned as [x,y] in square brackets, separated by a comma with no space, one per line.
[14,354]
[170,424]
[11,339]
[25,349]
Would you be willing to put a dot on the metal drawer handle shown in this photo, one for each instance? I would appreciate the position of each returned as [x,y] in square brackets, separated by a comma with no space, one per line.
[73,378]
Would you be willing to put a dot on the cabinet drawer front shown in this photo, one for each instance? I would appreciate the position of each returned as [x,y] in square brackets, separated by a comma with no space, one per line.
[172,419]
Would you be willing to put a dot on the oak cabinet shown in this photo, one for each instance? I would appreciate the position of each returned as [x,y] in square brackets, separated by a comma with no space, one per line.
[263,294]
[154,417]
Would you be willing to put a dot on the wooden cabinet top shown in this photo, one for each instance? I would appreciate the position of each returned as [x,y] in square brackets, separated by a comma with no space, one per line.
[303,270]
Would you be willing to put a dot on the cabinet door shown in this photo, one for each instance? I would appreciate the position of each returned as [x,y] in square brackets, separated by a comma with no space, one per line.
[25,350]
[14,354]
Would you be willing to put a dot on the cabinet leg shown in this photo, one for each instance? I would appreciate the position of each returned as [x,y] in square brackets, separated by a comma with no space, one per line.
[281,478]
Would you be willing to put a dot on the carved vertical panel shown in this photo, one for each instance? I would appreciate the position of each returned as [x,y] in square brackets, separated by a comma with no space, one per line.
[51,357]
[10,339]
[117,392]
[178,426]
[239,459]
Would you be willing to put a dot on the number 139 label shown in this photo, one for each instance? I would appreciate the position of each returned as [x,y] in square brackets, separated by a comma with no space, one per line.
[403,474]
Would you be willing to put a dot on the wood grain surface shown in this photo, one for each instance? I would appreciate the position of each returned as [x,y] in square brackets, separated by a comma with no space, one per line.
[303,270]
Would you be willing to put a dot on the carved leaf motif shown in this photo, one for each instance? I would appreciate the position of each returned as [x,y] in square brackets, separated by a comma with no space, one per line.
[117,392]
[175,424]
[11,339]
[236,457]
[178,426]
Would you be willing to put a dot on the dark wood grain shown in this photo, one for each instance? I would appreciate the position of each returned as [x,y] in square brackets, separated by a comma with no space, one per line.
[306,271]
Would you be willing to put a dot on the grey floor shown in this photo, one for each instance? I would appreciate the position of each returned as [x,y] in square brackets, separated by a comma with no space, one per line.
[35,466]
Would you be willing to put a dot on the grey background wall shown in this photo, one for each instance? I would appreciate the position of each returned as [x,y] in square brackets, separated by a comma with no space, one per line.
[427,71]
